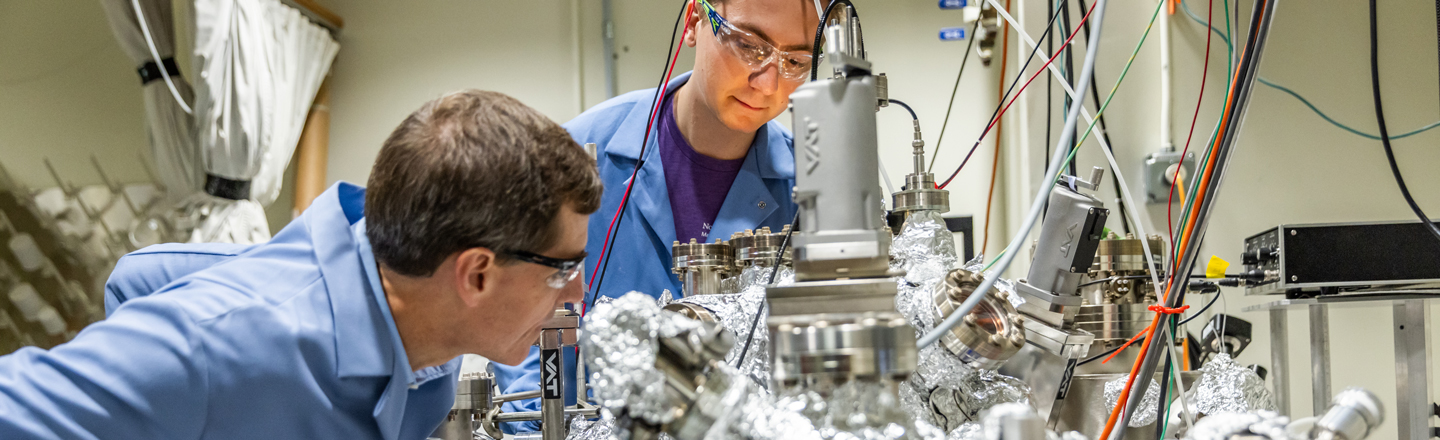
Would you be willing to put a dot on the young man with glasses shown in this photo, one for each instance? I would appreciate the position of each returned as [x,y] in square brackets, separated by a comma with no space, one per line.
[349,323]
[715,163]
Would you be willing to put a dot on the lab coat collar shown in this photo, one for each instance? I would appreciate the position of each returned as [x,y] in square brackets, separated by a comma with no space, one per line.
[367,343]
[772,165]
[363,346]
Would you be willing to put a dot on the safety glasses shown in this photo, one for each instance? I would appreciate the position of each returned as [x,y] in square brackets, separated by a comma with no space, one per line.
[568,269]
[755,51]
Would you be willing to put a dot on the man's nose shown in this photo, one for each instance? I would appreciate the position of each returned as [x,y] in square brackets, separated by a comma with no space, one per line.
[767,80]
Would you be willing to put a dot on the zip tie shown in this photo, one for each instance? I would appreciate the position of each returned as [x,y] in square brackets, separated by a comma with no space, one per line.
[1168,310]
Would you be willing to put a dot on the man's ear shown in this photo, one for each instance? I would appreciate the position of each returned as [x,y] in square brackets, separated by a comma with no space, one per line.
[472,267]
[692,23]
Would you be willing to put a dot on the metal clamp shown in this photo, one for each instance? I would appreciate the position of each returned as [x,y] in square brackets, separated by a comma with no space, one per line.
[990,334]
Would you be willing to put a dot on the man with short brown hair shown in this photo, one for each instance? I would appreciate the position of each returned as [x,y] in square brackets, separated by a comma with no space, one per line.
[350,322]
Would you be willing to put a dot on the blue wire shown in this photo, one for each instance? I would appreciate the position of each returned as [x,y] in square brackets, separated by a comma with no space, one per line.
[1302,99]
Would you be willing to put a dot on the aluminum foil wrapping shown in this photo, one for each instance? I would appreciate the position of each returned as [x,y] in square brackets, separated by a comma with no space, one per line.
[925,250]
[621,336]
[943,391]
[1223,426]
[598,429]
[1145,414]
[1226,386]
[946,393]
[736,313]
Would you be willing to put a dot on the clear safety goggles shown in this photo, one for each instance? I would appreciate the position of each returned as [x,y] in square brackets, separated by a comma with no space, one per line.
[755,51]
[567,269]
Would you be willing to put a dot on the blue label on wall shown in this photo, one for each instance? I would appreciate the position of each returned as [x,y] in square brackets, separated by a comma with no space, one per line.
[953,4]
[952,33]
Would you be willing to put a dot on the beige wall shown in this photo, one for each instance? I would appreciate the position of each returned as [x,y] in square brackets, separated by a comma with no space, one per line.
[66,92]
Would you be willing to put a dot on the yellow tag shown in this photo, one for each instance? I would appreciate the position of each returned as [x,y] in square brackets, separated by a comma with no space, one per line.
[1216,268]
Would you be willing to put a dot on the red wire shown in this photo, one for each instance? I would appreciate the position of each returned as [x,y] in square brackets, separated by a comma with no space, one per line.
[660,101]
[1204,71]
[1022,90]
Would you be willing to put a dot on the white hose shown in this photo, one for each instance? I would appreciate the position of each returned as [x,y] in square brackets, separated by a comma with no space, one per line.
[155,53]
[1053,171]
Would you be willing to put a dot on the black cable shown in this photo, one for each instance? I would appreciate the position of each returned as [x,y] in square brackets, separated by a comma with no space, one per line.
[907,108]
[1202,309]
[1385,132]
[1000,105]
[1070,79]
[820,31]
[640,161]
[1049,105]
[1105,132]
[1103,355]
[775,269]
[956,88]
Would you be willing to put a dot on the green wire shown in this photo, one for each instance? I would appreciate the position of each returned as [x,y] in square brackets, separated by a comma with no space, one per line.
[1164,418]
[1307,102]
[1123,72]
[997,258]
[1229,78]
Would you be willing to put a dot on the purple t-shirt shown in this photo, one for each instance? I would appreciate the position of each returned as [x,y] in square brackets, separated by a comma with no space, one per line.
[697,183]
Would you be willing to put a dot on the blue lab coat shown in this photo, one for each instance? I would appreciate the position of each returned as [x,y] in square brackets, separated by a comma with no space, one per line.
[640,258]
[291,339]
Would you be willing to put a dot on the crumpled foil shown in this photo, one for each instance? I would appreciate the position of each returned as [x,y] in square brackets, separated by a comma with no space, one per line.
[621,338]
[925,250]
[1145,414]
[946,393]
[1226,386]
[598,429]
[943,391]
[1222,426]
[736,312]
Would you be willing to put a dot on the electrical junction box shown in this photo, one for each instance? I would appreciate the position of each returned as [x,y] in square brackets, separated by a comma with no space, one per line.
[1157,179]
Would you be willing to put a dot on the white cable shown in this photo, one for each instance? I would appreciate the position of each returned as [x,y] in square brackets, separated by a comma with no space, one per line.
[884,176]
[155,53]
[1053,171]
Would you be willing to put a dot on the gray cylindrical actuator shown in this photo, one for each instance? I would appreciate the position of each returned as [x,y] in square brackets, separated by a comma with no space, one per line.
[840,233]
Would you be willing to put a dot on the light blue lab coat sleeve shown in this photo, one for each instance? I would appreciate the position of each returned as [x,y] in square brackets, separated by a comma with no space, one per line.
[517,379]
[145,271]
[153,388]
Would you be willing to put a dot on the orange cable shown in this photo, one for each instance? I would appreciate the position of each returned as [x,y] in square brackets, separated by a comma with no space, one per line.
[1208,173]
[995,164]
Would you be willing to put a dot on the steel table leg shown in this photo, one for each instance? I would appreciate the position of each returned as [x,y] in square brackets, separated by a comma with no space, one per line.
[1412,372]
[1280,359]
[1320,357]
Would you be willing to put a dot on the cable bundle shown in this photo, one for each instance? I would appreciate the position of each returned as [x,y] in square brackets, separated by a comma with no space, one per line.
[1192,226]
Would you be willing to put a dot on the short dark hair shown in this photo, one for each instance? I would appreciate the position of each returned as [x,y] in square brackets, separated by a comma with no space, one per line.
[473,169]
